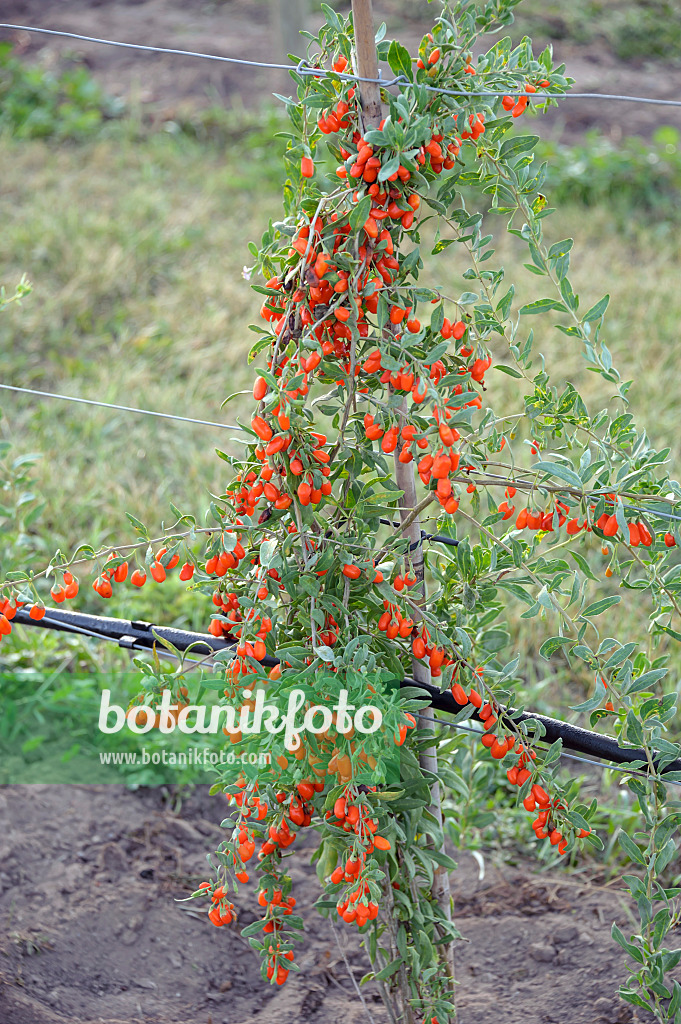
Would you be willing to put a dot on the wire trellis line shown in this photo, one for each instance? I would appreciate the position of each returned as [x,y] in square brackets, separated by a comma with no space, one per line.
[439,538]
[121,408]
[303,68]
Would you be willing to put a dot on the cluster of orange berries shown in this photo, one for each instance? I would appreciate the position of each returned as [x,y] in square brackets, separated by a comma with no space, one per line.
[353,817]
[429,56]
[59,592]
[259,625]
[325,285]
[275,968]
[297,811]
[519,773]
[103,584]
[222,912]
[529,519]
[292,309]
[249,803]
[362,165]
[218,565]
[285,903]
[8,609]
[437,467]
[356,907]
[301,469]
[498,748]
[244,847]
[179,703]
[66,590]
[516,105]
[277,905]
[393,622]
[539,800]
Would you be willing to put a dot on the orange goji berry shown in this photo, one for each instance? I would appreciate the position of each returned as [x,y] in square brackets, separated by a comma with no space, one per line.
[157,571]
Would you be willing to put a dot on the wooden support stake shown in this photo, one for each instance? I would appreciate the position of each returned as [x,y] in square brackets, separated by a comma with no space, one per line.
[367,62]
[372,113]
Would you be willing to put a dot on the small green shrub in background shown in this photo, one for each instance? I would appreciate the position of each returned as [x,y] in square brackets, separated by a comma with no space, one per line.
[651,30]
[634,176]
[38,103]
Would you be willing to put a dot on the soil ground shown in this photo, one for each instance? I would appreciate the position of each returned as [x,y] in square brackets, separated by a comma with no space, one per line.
[91,930]
[245,28]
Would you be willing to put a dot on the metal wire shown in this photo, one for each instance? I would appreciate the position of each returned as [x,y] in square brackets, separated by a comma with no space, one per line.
[436,537]
[559,96]
[121,408]
[303,68]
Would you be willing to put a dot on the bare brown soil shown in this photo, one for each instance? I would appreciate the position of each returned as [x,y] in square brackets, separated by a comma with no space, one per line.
[91,930]
[245,28]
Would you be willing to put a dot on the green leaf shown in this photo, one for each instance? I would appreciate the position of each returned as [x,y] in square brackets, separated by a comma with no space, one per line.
[252,929]
[632,950]
[509,370]
[389,167]
[441,858]
[442,244]
[553,644]
[34,514]
[561,471]
[583,565]
[620,655]
[337,23]
[634,730]
[630,848]
[139,527]
[542,306]
[588,705]
[387,972]
[504,305]
[267,551]
[597,310]
[646,681]
[598,607]
[559,249]
[360,214]
[399,60]
[514,147]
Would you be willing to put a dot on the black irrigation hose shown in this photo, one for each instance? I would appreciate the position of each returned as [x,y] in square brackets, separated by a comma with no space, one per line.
[135,634]
[439,538]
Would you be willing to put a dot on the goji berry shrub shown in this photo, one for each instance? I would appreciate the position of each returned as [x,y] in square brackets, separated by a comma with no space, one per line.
[371,419]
